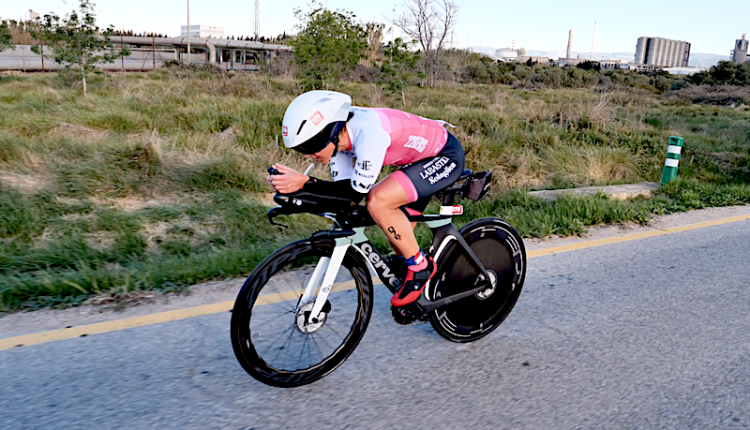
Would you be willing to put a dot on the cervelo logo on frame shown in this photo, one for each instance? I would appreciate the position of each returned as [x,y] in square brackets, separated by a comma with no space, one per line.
[418,143]
[317,117]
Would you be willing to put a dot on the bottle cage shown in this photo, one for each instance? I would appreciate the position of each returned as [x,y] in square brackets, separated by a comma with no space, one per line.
[477,185]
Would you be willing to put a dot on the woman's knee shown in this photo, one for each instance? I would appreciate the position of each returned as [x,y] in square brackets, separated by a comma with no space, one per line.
[378,199]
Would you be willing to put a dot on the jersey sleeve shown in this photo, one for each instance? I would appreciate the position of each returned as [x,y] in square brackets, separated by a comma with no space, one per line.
[342,167]
[370,154]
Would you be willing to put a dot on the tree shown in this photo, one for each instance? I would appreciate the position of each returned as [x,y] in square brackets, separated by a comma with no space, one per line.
[398,67]
[589,65]
[429,22]
[6,41]
[374,32]
[76,41]
[328,44]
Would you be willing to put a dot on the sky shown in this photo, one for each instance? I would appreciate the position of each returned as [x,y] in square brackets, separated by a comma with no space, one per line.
[711,26]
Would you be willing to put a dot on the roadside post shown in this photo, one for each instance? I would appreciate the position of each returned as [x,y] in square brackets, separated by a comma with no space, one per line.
[672,162]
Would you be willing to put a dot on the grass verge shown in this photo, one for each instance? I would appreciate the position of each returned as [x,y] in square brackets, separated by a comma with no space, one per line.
[156,181]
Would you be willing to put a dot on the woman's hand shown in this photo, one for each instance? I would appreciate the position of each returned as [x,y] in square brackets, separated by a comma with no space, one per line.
[288,180]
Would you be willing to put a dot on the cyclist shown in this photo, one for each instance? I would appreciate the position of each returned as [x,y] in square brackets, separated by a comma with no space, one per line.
[358,142]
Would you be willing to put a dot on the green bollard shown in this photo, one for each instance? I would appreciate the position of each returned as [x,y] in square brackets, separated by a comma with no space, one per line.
[673,159]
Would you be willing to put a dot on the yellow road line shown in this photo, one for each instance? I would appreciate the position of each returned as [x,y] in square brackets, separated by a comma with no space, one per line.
[144,320]
[176,315]
[633,236]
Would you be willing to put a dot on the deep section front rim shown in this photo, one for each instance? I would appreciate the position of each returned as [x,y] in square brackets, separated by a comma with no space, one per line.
[266,333]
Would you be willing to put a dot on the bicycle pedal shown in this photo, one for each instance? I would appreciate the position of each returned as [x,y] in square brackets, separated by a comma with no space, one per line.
[402,316]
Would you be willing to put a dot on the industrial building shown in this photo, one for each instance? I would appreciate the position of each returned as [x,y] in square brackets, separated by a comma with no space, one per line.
[660,52]
[203,31]
[149,53]
[739,54]
[506,55]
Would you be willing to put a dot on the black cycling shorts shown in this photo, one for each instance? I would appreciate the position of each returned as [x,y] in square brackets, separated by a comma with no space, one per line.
[426,177]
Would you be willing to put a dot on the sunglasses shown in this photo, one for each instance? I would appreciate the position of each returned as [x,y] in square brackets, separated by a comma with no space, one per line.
[320,140]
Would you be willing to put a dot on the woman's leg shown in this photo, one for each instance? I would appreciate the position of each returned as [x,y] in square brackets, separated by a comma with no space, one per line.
[384,202]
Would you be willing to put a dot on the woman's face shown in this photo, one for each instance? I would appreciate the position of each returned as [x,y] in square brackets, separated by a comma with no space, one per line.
[323,156]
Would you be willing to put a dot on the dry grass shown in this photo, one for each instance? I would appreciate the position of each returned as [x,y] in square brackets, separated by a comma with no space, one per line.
[27,184]
[723,95]
[569,111]
[587,165]
[123,299]
[76,132]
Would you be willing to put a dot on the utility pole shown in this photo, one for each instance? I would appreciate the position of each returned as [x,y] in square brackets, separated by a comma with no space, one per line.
[393,24]
[257,20]
[188,31]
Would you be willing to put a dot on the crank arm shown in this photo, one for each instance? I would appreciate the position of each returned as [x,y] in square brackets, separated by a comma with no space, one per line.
[429,306]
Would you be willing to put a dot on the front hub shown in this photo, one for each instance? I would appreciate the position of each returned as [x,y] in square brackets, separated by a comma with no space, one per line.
[303,323]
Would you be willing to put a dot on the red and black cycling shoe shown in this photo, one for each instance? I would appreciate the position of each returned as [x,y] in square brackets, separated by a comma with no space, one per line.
[414,284]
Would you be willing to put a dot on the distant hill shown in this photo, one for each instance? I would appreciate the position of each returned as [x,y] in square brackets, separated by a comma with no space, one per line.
[696,59]
[706,60]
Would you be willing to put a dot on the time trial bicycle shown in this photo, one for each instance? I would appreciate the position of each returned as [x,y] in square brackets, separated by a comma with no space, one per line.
[305,308]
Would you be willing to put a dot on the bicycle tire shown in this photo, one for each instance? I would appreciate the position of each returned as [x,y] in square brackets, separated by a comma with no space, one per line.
[242,315]
[500,248]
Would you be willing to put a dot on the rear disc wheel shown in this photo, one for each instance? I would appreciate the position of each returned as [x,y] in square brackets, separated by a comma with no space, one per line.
[500,249]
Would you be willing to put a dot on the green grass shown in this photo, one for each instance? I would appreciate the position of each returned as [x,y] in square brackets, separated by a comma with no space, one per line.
[155,182]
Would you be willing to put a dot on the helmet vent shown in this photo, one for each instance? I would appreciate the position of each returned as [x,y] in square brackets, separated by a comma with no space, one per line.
[300,127]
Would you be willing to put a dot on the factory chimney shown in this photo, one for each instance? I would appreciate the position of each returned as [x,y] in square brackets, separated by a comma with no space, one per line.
[570,44]
[593,42]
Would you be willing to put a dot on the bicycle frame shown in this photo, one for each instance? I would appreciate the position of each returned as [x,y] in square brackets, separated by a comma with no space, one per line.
[324,275]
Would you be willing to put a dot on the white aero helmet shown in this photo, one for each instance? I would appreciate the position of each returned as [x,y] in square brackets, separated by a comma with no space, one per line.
[310,119]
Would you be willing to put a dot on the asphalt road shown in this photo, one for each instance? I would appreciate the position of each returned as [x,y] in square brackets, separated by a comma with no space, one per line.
[649,334]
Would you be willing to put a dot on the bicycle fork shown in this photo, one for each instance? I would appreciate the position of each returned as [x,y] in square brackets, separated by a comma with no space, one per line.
[325,272]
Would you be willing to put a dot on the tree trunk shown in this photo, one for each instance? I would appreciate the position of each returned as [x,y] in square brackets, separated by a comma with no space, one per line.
[83,73]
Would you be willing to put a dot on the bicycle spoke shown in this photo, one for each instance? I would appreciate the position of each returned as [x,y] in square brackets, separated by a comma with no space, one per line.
[331,329]
[286,343]
[315,342]
[302,350]
[326,342]
[285,314]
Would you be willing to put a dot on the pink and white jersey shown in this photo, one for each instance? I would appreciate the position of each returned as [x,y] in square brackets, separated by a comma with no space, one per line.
[384,137]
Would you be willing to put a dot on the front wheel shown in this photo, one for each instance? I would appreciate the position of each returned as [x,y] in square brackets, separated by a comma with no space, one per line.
[500,248]
[271,333]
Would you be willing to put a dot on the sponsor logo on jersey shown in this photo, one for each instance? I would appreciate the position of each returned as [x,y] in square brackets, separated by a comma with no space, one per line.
[365,164]
[361,186]
[317,117]
[417,143]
